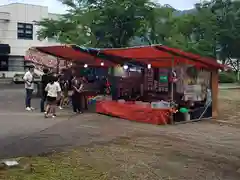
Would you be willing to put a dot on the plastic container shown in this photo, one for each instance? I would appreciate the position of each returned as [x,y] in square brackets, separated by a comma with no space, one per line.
[154,105]
[186,116]
[121,101]
[160,105]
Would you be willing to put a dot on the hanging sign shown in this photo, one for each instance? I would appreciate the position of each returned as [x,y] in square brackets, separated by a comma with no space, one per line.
[163,80]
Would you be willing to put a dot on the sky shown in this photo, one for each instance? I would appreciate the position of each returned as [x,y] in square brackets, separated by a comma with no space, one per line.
[56,7]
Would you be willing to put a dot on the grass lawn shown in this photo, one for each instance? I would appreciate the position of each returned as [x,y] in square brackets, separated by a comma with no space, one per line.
[123,158]
[72,165]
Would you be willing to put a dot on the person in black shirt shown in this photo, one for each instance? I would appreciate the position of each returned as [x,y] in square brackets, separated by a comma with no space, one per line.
[45,80]
[77,86]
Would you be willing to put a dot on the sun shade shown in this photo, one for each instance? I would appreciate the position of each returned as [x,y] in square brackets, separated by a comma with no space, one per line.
[68,53]
[156,55]
[161,56]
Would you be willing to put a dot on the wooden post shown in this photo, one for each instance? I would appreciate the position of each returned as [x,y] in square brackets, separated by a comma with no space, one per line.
[172,90]
[214,84]
[58,64]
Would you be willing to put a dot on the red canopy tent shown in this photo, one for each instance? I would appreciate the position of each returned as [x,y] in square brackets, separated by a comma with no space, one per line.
[161,56]
[68,53]
[156,55]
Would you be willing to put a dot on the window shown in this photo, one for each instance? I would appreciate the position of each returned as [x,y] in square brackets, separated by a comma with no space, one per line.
[3,63]
[25,31]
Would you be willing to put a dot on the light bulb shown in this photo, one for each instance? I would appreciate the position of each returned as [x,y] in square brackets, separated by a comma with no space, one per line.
[85,65]
[102,64]
[125,67]
[149,66]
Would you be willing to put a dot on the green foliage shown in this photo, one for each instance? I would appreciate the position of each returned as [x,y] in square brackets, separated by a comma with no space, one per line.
[103,23]
[212,29]
[227,77]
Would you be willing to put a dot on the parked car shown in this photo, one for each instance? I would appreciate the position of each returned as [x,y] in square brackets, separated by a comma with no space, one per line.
[18,78]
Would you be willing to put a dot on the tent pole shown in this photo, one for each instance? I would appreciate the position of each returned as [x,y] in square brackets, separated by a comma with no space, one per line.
[172,91]
[58,64]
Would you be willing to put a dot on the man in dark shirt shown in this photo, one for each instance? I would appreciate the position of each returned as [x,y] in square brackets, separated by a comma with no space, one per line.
[45,80]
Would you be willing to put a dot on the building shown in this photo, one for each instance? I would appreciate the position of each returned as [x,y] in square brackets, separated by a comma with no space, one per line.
[18,32]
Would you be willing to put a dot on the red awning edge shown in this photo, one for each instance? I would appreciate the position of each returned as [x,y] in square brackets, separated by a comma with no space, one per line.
[157,55]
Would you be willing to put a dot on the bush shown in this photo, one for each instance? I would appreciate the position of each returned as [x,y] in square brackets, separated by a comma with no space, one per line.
[227,77]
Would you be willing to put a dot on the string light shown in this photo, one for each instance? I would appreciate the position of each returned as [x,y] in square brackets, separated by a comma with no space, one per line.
[149,66]
[85,65]
[125,67]
[102,63]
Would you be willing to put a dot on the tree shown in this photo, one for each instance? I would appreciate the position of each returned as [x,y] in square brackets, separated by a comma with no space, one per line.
[228,20]
[158,24]
[194,32]
[101,23]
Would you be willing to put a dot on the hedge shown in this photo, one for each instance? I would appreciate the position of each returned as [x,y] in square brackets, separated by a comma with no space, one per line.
[227,77]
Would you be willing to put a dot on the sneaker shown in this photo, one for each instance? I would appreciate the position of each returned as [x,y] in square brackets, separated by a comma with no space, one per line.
[32,108]
[28,109]
[60,107]
[53,116]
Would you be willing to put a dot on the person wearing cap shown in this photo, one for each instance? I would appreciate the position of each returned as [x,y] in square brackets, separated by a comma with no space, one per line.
[29,86]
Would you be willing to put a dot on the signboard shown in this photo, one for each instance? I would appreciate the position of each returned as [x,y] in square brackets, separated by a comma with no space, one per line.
[163,80]
[148,79]
[195,87]
[41,60]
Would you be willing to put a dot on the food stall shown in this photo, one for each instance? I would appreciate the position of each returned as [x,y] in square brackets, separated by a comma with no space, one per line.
[175,85]
[151,84]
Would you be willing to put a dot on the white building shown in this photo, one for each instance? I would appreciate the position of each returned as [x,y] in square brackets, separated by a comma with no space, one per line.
[18,32]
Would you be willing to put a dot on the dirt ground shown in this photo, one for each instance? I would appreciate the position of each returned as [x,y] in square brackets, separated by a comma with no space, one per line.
[229,105]
[194,151]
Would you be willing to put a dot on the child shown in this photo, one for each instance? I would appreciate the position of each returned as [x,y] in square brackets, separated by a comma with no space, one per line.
[53,90]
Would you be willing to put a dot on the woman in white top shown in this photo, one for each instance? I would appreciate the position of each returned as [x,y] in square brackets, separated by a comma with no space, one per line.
[29,86]
[53,90]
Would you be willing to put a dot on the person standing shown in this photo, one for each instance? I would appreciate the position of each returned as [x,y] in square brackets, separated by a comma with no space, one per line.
[76,96]
[45,80]
[53,90]
[29,86]
[64,87]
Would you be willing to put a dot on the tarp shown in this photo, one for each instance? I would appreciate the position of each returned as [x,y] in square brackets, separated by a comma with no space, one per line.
[134,112]
[162,56]
[41,60]
[156,55]
[68,53]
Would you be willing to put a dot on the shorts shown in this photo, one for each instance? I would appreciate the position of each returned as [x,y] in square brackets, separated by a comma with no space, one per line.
[51,100]
[64,94]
